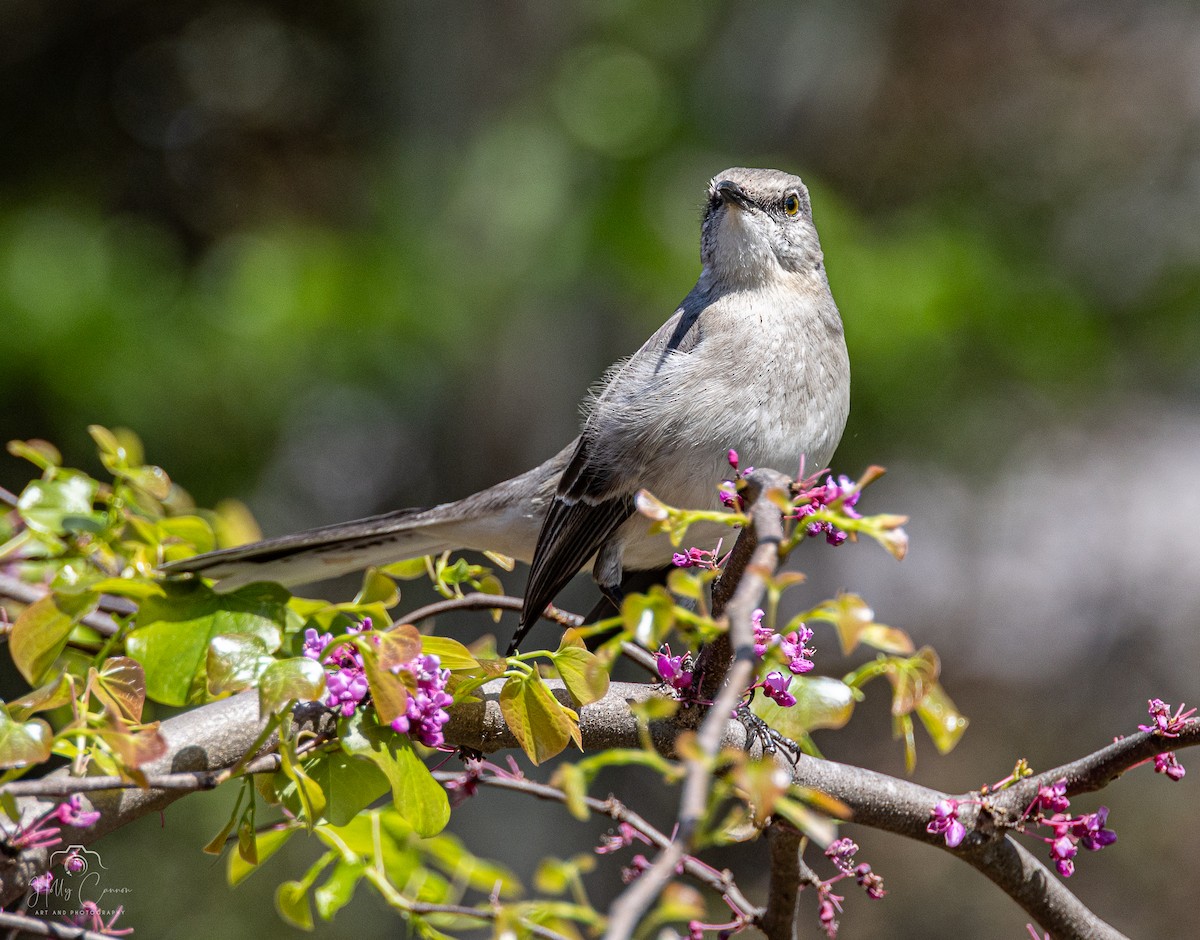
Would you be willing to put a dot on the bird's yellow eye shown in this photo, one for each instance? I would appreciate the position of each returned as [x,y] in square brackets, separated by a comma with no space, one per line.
[791,204]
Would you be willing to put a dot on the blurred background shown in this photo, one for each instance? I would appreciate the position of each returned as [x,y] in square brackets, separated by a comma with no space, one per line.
[334,259]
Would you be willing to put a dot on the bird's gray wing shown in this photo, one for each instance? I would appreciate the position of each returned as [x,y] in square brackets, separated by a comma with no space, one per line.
[578,523]
[595,493]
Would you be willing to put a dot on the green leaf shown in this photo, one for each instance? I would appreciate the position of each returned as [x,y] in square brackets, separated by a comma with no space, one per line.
[40,632]
[818,827]
[377,588]
[944,722]
[849,613]
[451,654]
[350,784]
[338,888]
[54,694]
[135,748]
[407,570]
[581,671]
[41,454]
[246,843]
[310,798]
[299,679]
[185,532]
[649,617]
[912,679]
[463,867]
[266,844]
[573,782]
[291,900]
[173,632]
[23,743]
[541,724]
[61,504]
[418,798]
[234,662]
[821,702]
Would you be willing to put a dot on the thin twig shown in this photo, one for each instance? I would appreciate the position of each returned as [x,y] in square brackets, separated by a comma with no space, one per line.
[767,525]
[24,593]
[477,600]
[48,928]
[721,882]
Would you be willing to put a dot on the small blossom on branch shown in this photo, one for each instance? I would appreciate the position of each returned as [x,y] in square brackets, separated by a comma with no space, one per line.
[1165,724]
[791,645]
[41,834]
[1070,832]
[624,836]
[828,908]
[943,820]
[1052,798]
[775,687]
[797,654]
[347,688]
[823,495]
[697,558]
[763,636]
[871,882]
[675,671]
[841,853]
[1167,763]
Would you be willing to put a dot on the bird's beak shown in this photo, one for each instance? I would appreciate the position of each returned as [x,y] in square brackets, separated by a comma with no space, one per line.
[732,194]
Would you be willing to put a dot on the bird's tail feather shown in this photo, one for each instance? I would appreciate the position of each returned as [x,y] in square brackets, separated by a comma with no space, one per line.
[328,551]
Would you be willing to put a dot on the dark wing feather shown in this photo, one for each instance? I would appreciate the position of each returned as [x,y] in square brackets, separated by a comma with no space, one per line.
[573,531]
[593,500]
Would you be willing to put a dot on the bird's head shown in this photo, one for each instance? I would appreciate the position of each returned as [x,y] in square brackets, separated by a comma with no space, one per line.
[757,225]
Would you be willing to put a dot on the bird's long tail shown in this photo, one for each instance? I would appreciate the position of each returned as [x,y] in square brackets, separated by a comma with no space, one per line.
[329,551]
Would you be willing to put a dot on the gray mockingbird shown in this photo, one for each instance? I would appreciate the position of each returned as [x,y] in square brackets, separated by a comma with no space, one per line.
[753,359]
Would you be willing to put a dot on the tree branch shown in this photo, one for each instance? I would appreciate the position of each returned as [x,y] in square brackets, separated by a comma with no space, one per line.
[778,921]
[767,527]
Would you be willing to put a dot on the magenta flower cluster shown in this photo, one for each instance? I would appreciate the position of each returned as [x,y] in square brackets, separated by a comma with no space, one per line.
[346,686]
[1167,724]
[696,558]
[943,820]
[1069,832]
[776,685]
[791,645]
[42,833]
[824,495]
[425,713]
[675,671]
[730,497]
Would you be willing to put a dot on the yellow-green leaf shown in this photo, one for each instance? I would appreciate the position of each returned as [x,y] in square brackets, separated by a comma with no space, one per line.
[541,724]
[451,654]
[23,743]
[266,844]
[40,632]
[299,679]
[291,900]
[582,673]
[944,722]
